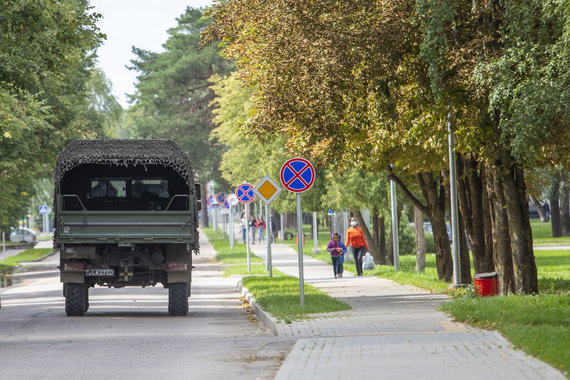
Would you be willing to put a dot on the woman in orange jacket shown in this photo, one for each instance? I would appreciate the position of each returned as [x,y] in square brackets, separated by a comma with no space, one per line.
[355,238]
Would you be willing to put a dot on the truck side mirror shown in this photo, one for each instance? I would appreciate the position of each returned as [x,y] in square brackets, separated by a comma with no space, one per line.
[198,195]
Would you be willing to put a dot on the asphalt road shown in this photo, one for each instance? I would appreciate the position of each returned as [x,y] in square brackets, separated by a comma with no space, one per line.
[128,334]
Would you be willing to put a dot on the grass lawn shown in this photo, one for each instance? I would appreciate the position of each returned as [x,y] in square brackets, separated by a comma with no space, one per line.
[542,234]
[278,295]
[31,254]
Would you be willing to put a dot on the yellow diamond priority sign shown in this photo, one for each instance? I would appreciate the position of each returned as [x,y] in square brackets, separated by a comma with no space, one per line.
[267,189]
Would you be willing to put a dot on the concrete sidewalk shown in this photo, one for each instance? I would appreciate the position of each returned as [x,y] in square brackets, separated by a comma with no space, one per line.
[392,332]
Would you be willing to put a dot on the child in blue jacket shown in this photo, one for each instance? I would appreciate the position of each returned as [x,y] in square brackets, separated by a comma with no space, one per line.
[337,249]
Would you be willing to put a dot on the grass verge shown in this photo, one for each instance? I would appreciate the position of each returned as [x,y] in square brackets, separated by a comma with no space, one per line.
[539,325]
[31,254]
[278,295]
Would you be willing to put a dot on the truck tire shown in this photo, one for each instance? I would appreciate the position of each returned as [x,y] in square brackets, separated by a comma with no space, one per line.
[178,299]
[75,299]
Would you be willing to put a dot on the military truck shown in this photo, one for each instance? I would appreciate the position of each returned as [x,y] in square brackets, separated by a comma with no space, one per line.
[126,214]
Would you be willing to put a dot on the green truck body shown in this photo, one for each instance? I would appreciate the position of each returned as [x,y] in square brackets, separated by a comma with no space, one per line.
[126,215]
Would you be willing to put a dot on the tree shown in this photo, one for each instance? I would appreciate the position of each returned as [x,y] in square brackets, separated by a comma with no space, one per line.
[46,50]
[173,94]
[372,81]
[103,104]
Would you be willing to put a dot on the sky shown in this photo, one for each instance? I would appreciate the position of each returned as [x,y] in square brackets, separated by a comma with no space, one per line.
[128,23]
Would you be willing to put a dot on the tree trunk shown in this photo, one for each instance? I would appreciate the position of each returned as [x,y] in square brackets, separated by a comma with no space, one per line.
[565,205]
[555,206]
[435,211]
[502,255]
[436,207]
[465,263]
[420,240]
[379,236]
[539,208]
[471,199]
[526,278]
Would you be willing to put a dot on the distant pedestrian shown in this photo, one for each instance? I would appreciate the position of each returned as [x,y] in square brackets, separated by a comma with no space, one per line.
[273,229]
[341,265]
[355,238]
[260,224]
[336,248]
[251,225]
[546,210]
[243,223]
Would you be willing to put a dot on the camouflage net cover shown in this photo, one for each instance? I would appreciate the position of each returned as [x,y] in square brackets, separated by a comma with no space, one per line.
[123,152]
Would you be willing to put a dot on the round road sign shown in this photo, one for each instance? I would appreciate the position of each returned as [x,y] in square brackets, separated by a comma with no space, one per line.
[244,193]
[232,199]
[297,175]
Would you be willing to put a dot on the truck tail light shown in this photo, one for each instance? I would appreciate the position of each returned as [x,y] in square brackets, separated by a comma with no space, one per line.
[73,267]
[177,266]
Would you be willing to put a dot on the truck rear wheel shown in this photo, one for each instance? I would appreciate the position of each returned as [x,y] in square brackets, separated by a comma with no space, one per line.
[178,299]
[76,299]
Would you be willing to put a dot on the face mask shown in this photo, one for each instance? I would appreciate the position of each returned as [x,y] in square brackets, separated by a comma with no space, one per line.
[353,224]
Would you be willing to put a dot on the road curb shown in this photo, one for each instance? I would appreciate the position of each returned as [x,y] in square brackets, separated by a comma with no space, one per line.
[267,319]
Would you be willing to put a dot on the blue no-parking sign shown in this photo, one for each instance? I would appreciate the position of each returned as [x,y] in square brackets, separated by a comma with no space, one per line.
[244,193]
[297,175]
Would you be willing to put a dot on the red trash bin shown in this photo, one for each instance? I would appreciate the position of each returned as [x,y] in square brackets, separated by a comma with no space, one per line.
[486,284]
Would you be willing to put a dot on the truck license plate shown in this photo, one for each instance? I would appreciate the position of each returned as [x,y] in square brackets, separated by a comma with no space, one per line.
[100,272]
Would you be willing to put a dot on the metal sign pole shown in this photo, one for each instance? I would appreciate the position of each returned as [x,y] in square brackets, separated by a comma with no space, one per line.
[315,237]
[232,243]
[454,214]
[268,237]
[300,249]
[247,236]
[395,226]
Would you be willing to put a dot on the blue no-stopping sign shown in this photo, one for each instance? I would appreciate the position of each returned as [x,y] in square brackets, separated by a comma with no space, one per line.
[297,175]
[244,193]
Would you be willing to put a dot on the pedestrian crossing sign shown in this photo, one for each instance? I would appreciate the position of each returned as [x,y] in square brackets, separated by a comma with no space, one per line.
[44,210]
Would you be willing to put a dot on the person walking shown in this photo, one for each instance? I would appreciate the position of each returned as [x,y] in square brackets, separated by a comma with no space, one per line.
[260,224]
[341,264]
[335,248]
[252,227]
[355,238]
[273,230]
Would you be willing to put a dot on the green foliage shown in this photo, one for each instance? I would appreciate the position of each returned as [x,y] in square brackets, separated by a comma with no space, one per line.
[103,104]
[326,75]
[174,94]
[357,188]
[46,50]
